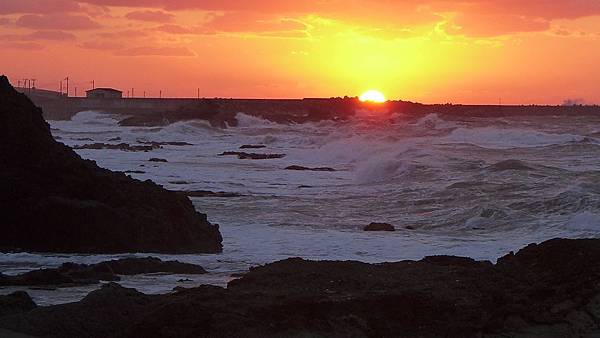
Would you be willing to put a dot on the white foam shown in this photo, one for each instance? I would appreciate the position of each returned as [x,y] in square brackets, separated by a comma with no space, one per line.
[506,138]
[585,221]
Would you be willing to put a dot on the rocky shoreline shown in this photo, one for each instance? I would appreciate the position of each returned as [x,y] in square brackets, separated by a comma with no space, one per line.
[547,290]
[54,201]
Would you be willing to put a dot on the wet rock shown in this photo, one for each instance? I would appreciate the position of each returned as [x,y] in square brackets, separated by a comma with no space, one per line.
[120,146]
[208,193]
[54,201]
[160,144]
[253,146]
[16,302]
[409,227]
[251,156]
[379,227]
[134,172]
[160,160]
[546,290]
[298,167]
[114,139]
[510,165]
[72,274]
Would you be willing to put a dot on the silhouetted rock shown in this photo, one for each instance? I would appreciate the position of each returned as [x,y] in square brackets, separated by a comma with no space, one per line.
[208,193]
[251,156]
[253,146]
[16,302]
[160,144]
[54,201]
[379,227]
[72,274]
[161,160]
[546,290]
[298,167]
[120,146]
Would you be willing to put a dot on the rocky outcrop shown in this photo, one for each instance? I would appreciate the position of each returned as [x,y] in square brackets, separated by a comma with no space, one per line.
[16,302]
[120,146]
[299,167]
[251,156]
[546,290]
[374,226]
[71,274]
[54,201]
[208,193]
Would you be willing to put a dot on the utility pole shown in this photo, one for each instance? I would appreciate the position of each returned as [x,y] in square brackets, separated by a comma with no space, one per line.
[93,84]
[75,91]
[198,93]
[144,94]
[132,93]
[67,79]
[160,94]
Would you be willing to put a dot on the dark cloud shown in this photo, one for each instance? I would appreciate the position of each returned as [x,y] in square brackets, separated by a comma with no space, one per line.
[57,21]
[152,16]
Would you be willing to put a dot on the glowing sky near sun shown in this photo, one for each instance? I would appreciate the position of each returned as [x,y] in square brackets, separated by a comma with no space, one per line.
[470,51]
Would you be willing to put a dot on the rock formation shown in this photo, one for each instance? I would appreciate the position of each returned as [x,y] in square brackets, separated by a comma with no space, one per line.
[546,290]
[54,201]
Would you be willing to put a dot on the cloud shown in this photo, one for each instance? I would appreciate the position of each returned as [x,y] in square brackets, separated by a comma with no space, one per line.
[38,6]
[5,21]
[152,16]
[57,21]
[102,45]
[247,22]
[52,35]
[21,45]
[156,51]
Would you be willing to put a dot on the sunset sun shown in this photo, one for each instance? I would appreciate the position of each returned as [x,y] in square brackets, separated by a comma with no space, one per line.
[372,96]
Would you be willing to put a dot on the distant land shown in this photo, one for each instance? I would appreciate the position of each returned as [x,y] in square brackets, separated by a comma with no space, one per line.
[222,111]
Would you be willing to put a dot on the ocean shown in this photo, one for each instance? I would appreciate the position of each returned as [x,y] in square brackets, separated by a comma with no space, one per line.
[476,187]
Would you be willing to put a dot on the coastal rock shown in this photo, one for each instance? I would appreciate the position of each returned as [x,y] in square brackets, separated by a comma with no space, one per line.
[252,146]
[208,193]
[72,274]
[546,290]
[510,165]
[16,302]
[298,167]
[374,226]
[54,201]
[251,156]
[120,146]
[160,160]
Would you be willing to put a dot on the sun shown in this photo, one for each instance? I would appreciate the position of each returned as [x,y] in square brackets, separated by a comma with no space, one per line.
[372,96]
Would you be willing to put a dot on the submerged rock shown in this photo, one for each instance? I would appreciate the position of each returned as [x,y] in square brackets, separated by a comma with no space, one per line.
[510,165]
[120,146]
[379,227]
[54,201]
[253,146]
[160,160]
[251,156]
[546,290]
[298,167]
[208,193]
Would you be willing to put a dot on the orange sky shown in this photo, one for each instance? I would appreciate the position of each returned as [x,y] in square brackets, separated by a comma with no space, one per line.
[470,51]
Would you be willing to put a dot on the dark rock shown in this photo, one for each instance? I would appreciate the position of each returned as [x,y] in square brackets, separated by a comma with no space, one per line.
[120,146]
[54,201]
[16,302]
[160,144]
[379,227]
[208,193]
[546,290]
[409,227]
[114,139]
[134,172]
[510,165]
[72,274]
[253,146]
[135,266]
[297,167]
[161,160]
[251,156]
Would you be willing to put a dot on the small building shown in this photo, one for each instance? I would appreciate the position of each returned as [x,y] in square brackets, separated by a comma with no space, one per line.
[104,93]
